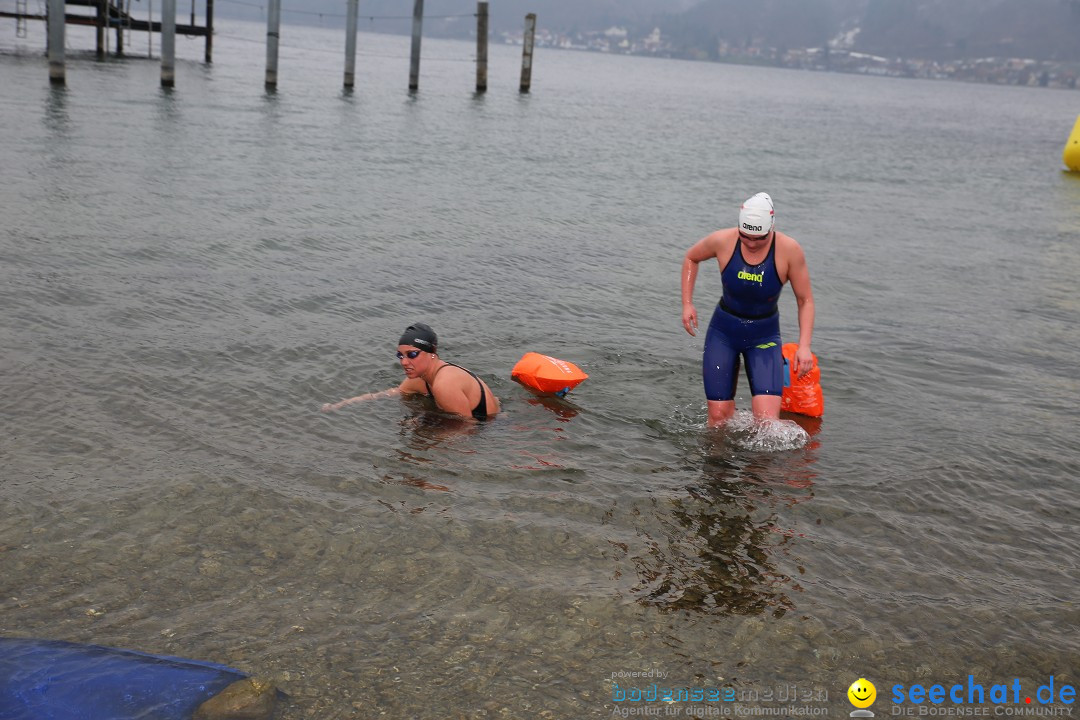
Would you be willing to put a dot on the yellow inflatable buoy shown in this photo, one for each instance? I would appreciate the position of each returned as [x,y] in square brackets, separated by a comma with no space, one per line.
[1071,156]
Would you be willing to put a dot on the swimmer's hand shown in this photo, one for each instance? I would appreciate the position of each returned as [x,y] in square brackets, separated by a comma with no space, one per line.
[689,318]
[804,360]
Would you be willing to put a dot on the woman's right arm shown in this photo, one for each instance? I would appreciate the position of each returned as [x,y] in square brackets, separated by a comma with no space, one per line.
[408,386]
[330,407]
[702,250]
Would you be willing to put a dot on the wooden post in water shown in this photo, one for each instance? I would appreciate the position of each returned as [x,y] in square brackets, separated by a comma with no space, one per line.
[168,43]
[350,43]
[414,62]
[208,55]
[527,52]
[119,28]
[273,34]
[481,45]
[99,27]
[56,41]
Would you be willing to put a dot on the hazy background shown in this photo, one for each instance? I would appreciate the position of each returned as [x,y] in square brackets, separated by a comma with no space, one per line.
[931,29]
[925,29]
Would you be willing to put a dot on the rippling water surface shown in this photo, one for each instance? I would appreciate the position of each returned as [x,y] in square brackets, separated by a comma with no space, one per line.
[187,276]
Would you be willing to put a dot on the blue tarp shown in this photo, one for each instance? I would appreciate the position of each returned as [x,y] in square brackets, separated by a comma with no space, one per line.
[53,680]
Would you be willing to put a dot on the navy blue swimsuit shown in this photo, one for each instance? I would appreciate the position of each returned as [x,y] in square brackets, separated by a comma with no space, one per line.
[747,323]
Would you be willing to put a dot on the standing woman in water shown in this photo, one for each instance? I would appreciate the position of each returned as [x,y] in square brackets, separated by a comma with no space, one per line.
[756,261]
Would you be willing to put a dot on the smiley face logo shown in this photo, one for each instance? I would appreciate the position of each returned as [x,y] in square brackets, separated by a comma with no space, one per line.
[862,693]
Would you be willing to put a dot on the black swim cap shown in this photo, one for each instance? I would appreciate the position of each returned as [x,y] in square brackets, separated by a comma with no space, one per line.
[421,336]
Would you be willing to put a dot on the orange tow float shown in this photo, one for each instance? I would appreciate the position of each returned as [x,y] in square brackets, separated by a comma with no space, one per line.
[547,374]
[801,395]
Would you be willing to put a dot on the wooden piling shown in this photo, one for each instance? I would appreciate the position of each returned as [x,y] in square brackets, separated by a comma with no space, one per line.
[527,52]
[481,45]
[414,62]
[56,41]
[208,54]
[273,35]
[168,43]
[99,27]
[350,43]
[119,30]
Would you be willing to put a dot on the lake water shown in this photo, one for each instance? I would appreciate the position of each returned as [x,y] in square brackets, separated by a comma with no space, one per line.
[187,276]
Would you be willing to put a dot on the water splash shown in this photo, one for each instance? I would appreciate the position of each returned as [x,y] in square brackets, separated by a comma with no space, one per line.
[750,433]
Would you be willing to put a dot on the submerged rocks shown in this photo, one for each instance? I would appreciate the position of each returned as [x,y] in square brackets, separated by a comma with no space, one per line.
[247,699]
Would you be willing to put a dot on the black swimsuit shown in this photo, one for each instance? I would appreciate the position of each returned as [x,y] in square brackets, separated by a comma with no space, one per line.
[480,411]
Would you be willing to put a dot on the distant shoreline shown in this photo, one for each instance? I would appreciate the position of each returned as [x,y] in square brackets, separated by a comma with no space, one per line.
[1019,72]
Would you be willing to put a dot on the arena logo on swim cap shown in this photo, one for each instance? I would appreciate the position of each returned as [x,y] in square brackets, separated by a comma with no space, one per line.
[756,216]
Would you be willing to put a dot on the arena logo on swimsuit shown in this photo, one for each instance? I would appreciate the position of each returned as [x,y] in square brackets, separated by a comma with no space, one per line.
[758,278]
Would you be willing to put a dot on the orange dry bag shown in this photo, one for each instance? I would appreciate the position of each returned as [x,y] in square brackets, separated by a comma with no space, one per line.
[547,374]
[801,395]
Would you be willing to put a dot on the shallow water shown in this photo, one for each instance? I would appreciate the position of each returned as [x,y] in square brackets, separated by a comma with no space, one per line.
[189,275]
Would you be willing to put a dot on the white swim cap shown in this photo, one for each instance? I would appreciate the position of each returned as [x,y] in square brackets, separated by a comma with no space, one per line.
[756,215]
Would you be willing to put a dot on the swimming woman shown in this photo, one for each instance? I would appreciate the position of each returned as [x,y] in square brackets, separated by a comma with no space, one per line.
[453,388]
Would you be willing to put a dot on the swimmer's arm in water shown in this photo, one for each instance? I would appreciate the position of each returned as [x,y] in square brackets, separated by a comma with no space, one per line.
[407,387]
[330,407]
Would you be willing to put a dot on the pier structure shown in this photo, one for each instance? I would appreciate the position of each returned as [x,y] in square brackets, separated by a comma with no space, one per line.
[105,15]
[115,15]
